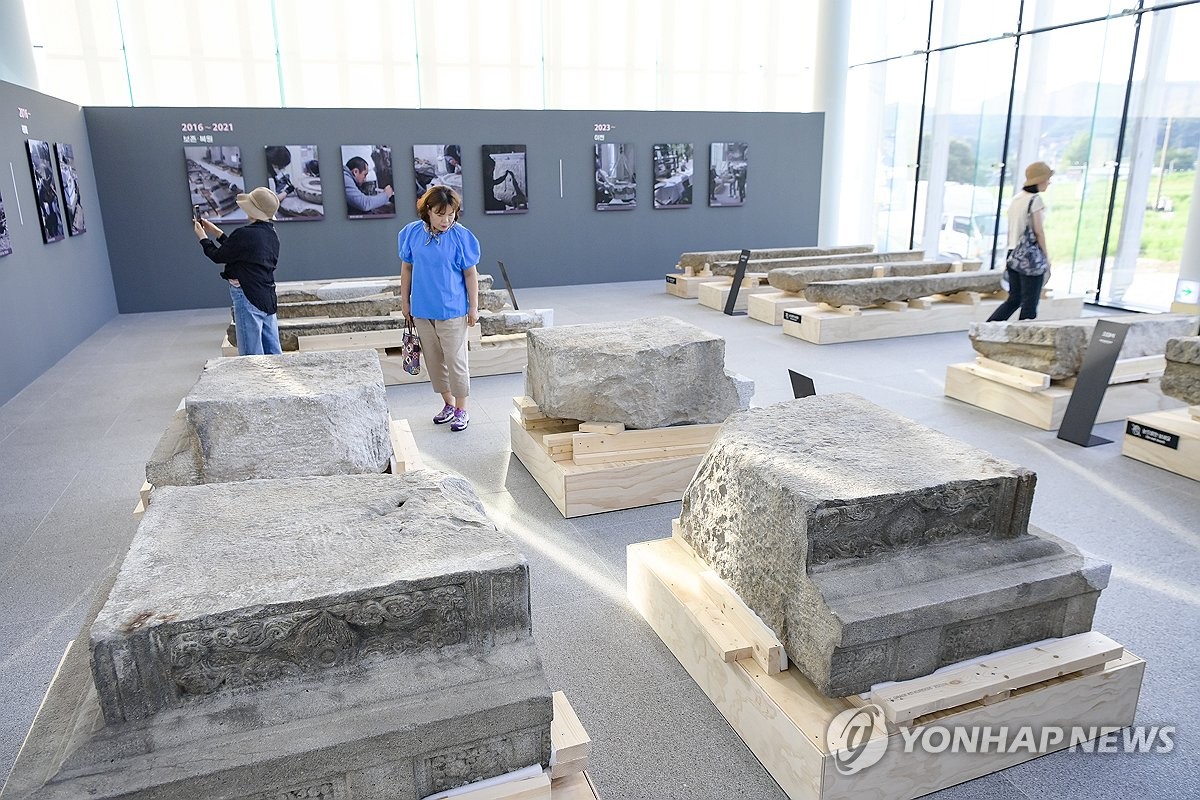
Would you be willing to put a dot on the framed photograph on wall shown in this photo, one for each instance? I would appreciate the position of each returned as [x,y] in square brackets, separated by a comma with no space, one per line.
[616,177]
[505,187]
[215,180]
[72,202]
[367,177]
[727,174]
[673,175]
[294,173]
[41,168]
[437,165]
[5,241]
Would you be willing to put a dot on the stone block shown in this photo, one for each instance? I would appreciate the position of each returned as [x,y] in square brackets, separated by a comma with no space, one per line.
[176,458]
[878,549]
[1056,348]
[646,373]
[361,637]
[824,260]
[505,322]
[374,305]
[698,260]
[290,330]
[1181,379]
[797,279]
[320,413]
[494,300]
[877,291]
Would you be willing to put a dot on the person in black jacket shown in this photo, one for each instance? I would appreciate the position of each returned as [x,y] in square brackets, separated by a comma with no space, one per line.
[250,255]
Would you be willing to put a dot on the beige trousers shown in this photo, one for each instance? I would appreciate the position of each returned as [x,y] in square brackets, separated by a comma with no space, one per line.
[444,348]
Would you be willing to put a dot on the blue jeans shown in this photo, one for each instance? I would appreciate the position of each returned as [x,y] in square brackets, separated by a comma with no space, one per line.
[257,333]
[1024,291]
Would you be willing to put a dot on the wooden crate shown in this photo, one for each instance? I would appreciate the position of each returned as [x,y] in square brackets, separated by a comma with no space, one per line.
[938,314]
[1166,439]
[589,468]
[405,458]
[768,307]
[716,295]
[1031,397]
[783,719]
[688,286]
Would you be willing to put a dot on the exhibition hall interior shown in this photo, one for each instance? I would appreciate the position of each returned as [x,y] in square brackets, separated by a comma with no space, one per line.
[668,399]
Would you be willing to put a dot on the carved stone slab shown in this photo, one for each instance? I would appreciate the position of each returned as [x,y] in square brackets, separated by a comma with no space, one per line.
[1056,348]
[240,586]
[373,305]
[698,260]
[1181,379]
[494,300]
[322,413]
[879,549]
[877,291]
[647,373]
[505,322]
[797,279]
[827,260]
[347,288]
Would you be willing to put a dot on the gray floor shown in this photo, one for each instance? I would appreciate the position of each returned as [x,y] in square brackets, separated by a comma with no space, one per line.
[73,445]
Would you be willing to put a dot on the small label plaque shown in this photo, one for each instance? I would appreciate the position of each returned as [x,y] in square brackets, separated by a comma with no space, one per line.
[671,279]
[791,316]
[1154,435]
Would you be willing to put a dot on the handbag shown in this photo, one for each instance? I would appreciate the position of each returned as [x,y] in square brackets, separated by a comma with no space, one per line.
[1027,257]
[410,345]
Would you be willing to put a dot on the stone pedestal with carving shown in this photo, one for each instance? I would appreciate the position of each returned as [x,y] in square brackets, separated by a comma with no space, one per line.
[321,413]
[1181,379]
[878,549]
[363,636]
[645,373]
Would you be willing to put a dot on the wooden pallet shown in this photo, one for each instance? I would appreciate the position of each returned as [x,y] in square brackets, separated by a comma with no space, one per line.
[716,295]
[783,719]
[1166,439]
[1031,397]
[682,284]
[768,307]
[824,324]
[589,468]
[405,458]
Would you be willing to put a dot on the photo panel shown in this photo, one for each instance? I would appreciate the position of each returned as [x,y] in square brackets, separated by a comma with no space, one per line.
[41,167]
[5,241]
[673,165]
[616,177]
[437,165]
[294,173]
[505,187]
[215,180]
[367,176]
[72,202]
[727,174]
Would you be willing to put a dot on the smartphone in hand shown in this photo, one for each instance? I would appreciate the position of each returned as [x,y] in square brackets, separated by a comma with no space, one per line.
[196,213]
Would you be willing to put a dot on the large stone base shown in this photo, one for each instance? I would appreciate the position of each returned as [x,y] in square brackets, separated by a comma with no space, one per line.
[395,736]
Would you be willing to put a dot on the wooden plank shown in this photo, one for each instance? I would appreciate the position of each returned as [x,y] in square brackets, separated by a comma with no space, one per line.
[783,719]
[144,492]
[1127,370]
[1194,411]
[405,457]
[595,488]
[917,303]
[551,440]
[356,340]
[896,305]
[498,359]
[1026,380]
[537,788]
[568,739]
[641,439]
[993,677]
[601,427]
[543,469]
[640,454]
[578,786]
[715,295]
[228,349]
[1183,459]
[499,339]
[528,408]
[768,307]
[689,287]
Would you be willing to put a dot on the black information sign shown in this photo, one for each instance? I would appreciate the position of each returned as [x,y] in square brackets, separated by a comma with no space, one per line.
[802,385]
[738,277]
[1154,435]
[507,285]
[1092,383]
[671,279]
[791,316]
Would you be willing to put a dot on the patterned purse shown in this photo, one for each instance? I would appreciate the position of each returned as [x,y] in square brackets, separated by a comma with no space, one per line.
[410,344]
[1027,257]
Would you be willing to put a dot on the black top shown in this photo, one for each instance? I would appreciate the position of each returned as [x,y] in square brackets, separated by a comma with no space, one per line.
[250,255]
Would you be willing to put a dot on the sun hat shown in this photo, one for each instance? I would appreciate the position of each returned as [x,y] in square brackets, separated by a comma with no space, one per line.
[1037,172]
[261,203]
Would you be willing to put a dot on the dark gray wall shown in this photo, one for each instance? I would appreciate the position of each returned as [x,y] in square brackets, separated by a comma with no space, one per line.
[157,264]
[52,296]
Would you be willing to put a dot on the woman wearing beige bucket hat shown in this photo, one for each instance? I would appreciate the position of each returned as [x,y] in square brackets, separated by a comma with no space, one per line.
[1029,270]
[250,255]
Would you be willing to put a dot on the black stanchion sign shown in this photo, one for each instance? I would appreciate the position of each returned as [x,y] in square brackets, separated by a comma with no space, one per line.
[802,385]
[1092,383]
[738,277]
[507,285]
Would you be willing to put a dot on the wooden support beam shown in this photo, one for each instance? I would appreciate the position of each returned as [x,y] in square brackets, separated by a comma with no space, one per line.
[640,454]
[601,427]
[1127,370]
[405,457]
[1016,377]
[643,439]
[570,744]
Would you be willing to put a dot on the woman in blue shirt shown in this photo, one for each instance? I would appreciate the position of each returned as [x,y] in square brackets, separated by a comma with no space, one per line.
[439,291]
